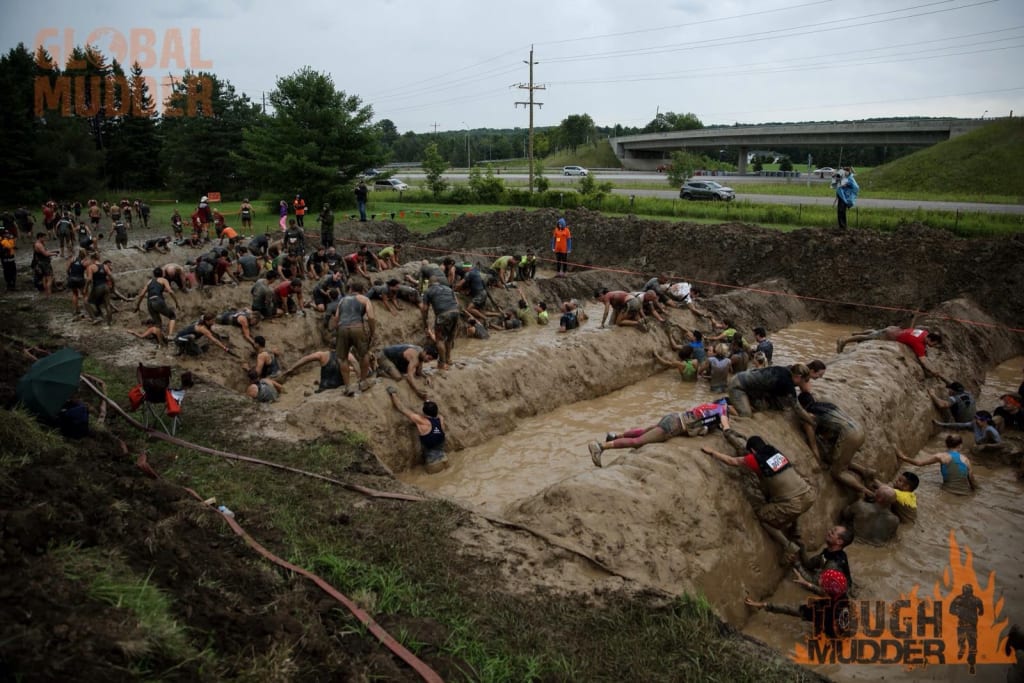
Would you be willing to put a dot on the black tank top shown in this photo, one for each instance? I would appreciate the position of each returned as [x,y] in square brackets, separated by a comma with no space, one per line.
[99,277]
[155,290]
[77,270]
[435,437]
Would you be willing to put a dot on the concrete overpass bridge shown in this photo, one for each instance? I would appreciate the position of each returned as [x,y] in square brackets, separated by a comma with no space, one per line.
[648,151]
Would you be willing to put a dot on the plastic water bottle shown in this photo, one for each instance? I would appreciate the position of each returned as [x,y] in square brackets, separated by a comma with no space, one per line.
[226,511]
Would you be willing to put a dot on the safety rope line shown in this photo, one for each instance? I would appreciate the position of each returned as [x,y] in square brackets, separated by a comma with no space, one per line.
[712,283]
[155,433]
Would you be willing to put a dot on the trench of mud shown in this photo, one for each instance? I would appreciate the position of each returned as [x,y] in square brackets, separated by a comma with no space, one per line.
[521,407]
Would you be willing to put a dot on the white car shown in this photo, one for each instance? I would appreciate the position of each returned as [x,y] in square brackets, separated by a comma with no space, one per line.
[574,170]
[390,184]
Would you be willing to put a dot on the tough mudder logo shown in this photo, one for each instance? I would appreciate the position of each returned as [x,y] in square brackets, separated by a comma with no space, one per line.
[959,624]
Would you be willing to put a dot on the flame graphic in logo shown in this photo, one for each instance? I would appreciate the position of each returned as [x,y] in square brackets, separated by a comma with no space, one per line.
[961,623]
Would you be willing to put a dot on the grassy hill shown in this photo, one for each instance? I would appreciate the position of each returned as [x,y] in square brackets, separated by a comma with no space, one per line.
[595,155]
[985,161]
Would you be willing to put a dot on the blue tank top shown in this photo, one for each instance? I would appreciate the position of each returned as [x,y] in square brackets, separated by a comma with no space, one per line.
[959,473]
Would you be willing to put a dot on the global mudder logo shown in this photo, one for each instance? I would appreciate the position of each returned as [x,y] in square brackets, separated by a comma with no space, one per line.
[110,95]
[959,624]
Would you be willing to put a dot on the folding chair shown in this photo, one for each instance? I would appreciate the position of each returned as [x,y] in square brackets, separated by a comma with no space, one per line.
[156,387]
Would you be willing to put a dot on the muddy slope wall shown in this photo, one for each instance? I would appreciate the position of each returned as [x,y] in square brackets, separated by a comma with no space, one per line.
[915,268]
[673,517]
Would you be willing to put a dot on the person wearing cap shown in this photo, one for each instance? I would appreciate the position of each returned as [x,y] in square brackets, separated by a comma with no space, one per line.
[561,245]
[205,216]
[696,421]
[831,614]
[300,210]
[788,494]
[956,403]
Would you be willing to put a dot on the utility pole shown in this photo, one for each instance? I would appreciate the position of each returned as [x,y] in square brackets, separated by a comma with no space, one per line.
[531,104]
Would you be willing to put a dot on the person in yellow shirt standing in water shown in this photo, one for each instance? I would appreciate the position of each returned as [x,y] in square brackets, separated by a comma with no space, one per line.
[561,244]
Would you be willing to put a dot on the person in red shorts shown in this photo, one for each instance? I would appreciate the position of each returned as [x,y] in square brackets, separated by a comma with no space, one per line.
[918,339]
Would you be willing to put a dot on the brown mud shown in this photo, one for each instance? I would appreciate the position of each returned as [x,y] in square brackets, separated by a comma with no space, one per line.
[667,517]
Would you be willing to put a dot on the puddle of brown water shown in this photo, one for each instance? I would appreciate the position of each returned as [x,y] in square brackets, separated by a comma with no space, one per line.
[549,448]
[991,524]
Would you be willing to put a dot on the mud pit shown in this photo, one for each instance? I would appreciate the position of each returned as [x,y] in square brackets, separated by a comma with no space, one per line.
[666,516]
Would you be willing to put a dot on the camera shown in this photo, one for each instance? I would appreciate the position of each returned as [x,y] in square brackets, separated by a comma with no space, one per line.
[837,178]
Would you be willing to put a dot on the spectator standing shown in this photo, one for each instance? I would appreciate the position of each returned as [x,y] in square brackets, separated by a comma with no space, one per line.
[561,244]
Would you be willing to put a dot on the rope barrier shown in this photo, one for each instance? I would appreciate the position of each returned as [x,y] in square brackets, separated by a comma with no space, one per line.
[150,431]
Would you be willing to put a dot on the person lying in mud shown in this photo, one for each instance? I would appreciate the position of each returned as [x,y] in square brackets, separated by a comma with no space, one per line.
[787,494]
[405,361]
[158,244]
[650,305]
[153,331]
[262,389]
[685,365]
[957,472]
[328,289]
[431,429]
[775,385]
[245,320]
[696,421]
[507,321]
[330,369]
[187,339]
[831,614]
[919,340]
[476,328]
[833,436]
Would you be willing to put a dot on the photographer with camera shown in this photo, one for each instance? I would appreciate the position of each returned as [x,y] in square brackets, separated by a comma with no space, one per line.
[847,189]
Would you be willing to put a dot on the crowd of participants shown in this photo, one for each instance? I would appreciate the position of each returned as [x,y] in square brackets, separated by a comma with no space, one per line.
[292,275]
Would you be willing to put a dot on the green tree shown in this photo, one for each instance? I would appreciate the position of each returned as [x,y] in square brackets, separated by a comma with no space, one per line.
[434,167]
[682,167]
[199,142]
[540,183]
[785,164]
[487,188]
[317,141]
[134,151]
[576,130]
[669,121]
[19,127]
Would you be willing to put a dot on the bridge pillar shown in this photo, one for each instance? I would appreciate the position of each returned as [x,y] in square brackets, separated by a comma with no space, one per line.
[741,163]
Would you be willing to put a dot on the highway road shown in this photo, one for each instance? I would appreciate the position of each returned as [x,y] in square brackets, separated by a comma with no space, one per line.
[737,182]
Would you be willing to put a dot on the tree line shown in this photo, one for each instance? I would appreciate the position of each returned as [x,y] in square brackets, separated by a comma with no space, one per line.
[90,126]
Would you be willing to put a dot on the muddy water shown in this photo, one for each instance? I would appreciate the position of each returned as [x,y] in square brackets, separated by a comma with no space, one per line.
[549,448]
[991,523]
[552,447]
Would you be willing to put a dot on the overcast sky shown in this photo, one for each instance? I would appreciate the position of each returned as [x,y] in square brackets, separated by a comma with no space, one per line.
[456,64]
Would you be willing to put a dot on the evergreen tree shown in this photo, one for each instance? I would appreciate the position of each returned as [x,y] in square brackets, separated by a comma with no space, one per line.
[133,158]
[316,142]
[198,142]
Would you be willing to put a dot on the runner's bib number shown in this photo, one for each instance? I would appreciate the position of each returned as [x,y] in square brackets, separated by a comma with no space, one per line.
[777,462]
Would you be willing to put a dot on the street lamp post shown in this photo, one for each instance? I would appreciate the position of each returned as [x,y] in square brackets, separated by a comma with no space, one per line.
[469,163]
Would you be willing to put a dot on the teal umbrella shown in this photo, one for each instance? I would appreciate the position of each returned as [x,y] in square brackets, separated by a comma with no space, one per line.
[50,382]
